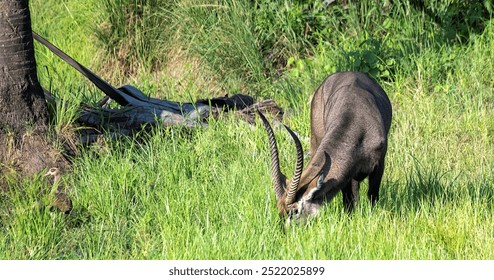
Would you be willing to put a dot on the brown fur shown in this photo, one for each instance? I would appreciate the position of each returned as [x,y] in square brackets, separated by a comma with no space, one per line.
[350,119]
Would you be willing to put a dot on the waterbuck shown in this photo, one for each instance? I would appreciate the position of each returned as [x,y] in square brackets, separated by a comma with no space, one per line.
[349,121]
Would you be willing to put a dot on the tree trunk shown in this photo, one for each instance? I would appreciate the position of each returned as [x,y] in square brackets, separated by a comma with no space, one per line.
[22,103]
[24,146]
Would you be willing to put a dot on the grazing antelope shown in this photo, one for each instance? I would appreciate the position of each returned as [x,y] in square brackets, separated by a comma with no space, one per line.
[350,120]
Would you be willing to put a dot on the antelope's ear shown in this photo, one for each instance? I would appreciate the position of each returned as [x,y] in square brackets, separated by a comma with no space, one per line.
[320,181]
[314,192]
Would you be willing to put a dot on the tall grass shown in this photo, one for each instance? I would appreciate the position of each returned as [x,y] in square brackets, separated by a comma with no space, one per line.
[206,194]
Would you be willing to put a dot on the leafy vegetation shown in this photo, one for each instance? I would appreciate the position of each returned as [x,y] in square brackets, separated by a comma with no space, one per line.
[206,194]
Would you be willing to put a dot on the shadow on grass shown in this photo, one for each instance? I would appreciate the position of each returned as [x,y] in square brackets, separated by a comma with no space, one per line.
[457,20]
[427,188]
[390,37]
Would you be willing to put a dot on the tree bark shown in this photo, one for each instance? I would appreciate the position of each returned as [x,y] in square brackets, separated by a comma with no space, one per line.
[22,103]
[24,147]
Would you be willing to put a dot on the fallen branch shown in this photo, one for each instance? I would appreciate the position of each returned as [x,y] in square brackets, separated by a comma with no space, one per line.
[138,110]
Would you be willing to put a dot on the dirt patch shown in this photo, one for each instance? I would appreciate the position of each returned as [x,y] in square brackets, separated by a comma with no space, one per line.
[25,155]
[184,70]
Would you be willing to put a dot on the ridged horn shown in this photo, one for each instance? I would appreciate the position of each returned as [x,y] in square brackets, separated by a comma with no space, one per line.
[290,196]
[278,183]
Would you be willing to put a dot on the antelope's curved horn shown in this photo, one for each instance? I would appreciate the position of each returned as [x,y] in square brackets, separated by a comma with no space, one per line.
[275,163]
[290,196]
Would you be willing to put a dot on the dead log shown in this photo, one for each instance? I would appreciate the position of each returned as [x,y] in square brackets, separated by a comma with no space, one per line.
[138,110]
[152,111]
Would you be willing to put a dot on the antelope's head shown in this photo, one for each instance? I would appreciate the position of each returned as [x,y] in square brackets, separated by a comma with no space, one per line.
[294,199]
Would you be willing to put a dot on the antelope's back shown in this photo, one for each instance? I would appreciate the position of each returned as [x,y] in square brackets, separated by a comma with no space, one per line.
[349,107]
[350,86]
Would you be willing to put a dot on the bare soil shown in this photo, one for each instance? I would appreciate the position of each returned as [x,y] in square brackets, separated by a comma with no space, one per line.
[23,156]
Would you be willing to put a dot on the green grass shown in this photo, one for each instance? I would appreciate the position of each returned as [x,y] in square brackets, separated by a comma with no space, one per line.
[206,194]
